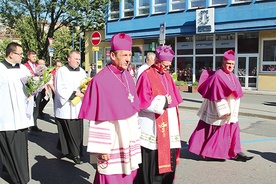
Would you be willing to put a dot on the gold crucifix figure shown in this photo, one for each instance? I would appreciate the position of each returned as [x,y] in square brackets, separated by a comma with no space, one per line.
[163,126]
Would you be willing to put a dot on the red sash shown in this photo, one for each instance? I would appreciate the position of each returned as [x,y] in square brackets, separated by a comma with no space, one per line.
[162,124]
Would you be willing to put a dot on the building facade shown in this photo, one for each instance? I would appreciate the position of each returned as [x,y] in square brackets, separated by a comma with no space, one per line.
[200,31]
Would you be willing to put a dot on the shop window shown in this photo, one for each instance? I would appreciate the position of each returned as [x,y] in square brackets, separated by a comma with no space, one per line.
[185,69]
[204,44]
[136,58]
[269,56]
[114,10]
[218,62]
[248,42]
[185,45]
[219,2]
[203,63]
[160,6]
[150,45]
[144,7]
[178,5]
[197,3]
[137,55]
[128,8]
[225,42]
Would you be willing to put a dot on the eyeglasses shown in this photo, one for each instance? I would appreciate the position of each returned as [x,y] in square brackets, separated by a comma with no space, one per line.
[166,66]
[19,54]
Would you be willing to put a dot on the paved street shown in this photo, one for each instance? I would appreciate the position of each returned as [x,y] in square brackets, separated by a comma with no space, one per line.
[258,134]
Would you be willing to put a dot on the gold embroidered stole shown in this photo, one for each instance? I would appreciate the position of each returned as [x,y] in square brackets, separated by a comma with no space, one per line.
[162,126]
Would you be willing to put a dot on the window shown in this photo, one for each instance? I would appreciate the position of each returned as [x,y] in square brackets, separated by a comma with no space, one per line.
[241,1]
[128,8]
[204,44]
[114,10]
[197,3]
[178,5]
[203,63]
[185,45]
[160,6]
[185,69]
[218,62]
[269,56]
[224,42]
[219,2]
[137,55]
[143,7]
[248,42]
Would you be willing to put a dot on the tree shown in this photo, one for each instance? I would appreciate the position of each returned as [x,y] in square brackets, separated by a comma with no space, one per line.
[35,21]
[3,45]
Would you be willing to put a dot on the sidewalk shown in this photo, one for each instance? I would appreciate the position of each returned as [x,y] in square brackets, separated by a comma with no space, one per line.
[260,104]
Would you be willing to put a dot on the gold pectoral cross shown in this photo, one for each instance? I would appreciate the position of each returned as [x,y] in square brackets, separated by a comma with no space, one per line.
[163,126]
[130,97]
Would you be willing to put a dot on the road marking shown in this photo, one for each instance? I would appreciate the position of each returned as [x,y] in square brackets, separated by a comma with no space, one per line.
[259,140]
[245,141]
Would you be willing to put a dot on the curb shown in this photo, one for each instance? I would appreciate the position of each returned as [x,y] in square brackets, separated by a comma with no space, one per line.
[240,113]
[271,93]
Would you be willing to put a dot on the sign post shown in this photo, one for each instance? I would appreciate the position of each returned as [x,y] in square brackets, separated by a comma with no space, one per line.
[96,40]
[51,50]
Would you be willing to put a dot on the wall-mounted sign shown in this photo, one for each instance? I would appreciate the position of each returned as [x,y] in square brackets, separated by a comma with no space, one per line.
[205,21]
[162,34]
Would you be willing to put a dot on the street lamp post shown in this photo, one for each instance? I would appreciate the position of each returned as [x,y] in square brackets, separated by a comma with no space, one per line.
[72,37]
[81,36]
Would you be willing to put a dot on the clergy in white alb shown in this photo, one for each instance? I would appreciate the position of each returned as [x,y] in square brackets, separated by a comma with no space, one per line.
[68,79]
[14,121]
[159,120]
[111,104]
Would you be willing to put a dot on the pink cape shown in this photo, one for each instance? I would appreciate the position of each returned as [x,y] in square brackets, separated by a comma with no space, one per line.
[222,142]
[106,98]
[218,85]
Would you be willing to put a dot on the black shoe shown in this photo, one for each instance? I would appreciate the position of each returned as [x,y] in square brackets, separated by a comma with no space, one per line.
[242,157]
[77,160]
[216,159]
[35,128]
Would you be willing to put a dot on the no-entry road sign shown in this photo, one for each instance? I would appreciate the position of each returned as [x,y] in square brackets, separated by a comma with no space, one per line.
[96,38]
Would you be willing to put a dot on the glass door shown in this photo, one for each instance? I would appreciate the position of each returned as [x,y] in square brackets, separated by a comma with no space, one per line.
[247,70]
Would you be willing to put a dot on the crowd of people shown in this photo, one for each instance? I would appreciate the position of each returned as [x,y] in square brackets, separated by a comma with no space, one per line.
[134,125]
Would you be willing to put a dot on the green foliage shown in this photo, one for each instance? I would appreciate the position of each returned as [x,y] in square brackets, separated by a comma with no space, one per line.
[195,83]
[63,39]
[3,45]
[174,76]
[34,84]
[180,83]
[35,21]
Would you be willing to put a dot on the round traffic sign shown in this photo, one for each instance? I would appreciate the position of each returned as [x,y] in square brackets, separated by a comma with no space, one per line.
[96,38]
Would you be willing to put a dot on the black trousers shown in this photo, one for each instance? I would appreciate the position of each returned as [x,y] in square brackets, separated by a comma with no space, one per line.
[43,101]
[37,100]
[148,172]
[14,154]
[70,133]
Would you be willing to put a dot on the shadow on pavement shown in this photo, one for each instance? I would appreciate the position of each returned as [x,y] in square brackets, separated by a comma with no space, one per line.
[48,141]
[55,171]
[270,103]
[48,118]
[45,140]
[185,154]
[266,155]
[192,100]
